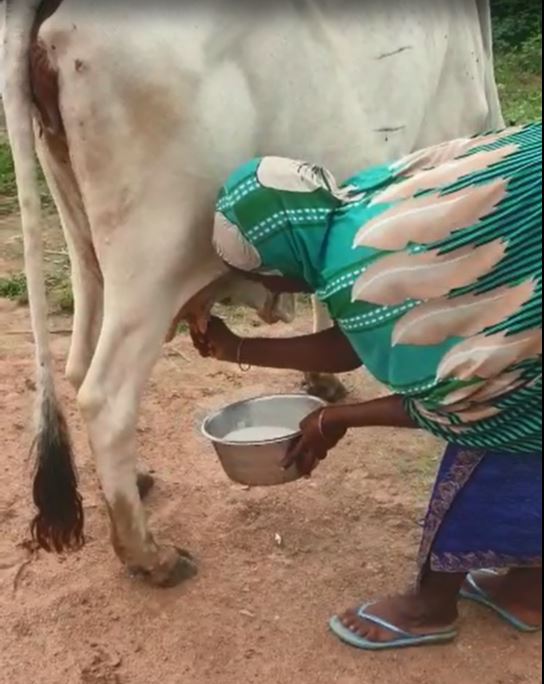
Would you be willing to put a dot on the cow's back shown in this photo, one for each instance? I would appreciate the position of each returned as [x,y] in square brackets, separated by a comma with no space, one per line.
[210,85]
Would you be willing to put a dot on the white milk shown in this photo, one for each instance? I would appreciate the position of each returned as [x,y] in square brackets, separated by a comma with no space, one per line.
[259,433]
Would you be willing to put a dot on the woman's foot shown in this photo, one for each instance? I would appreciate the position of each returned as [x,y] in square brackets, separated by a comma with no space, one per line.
[432,609]
[519,592]
[408,613]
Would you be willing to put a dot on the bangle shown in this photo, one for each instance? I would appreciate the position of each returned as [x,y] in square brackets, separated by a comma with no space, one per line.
[239,357]
[320,423]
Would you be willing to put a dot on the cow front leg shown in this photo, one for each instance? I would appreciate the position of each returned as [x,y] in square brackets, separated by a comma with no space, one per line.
[323,385]
[129,344]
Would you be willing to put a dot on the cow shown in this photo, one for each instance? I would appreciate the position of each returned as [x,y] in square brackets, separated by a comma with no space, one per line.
[137,116]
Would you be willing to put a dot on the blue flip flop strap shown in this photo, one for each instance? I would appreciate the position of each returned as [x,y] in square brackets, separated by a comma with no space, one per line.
[474,585]
[512,619]
[361,612]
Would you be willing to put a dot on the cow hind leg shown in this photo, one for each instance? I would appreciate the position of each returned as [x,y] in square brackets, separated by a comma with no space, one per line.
[88,295]
[323,385]
[88,315]
[129,344]
[86,275]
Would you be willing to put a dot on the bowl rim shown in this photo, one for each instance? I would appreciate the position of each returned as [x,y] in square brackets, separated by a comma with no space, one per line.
[294,435]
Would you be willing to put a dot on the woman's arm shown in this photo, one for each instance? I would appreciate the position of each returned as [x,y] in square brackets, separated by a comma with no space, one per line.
[324,352]
[384,412]
[328,351]
[324,428]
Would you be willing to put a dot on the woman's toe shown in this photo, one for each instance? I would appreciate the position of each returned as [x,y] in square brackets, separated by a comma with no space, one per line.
[355,626]
[348,617]
[362,628]
[351,622]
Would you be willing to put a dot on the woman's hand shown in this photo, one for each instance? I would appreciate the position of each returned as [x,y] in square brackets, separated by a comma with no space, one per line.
[319,435]
[218,341]
[324,428]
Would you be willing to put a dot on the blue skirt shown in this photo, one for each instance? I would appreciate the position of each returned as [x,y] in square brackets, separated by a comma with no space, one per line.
[485,512]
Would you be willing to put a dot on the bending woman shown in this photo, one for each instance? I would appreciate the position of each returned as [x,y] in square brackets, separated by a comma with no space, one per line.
[431,269]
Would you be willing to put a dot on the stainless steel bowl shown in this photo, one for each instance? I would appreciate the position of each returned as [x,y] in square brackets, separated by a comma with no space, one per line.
[258,463]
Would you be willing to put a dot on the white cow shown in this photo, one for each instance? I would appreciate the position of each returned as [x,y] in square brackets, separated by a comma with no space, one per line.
[139,116]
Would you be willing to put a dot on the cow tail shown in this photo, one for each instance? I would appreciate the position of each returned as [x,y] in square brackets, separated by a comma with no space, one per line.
[58,524]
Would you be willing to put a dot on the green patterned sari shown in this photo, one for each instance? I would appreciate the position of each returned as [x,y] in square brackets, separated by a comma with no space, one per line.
[431,266]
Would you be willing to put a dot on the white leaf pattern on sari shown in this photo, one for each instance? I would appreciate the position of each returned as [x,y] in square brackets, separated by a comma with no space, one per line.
[430,218]
[535,381]
[465,413]
[433,416]
[476,414]
[292,175]
[461,394]
[446,151]
[485,390]
[497,387]
[231,245]
[487,356]
[436,321]
[428,275]
[444,174]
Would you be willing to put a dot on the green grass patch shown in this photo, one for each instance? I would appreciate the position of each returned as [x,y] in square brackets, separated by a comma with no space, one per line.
[8,186]
[14,287]
[519,78]
[58,288]
[7,174]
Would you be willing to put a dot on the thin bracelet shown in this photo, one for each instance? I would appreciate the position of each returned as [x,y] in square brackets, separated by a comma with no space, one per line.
[243,368]
[320,422]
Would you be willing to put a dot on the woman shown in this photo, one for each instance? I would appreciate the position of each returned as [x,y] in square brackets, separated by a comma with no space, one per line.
[431,270]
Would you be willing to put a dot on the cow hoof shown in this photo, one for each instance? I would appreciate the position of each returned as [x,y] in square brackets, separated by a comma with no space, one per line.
[175,566]
[145,483]
[326,387]
[183,568]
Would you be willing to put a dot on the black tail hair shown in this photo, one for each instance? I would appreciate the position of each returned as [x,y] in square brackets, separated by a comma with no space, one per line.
[58,525]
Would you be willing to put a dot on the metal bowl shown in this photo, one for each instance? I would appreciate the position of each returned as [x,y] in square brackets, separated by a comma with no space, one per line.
[258,463]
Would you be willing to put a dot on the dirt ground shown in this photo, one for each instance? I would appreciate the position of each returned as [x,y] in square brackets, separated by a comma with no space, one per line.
[274,563]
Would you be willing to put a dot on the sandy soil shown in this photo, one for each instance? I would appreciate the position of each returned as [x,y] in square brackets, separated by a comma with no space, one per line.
[257,611]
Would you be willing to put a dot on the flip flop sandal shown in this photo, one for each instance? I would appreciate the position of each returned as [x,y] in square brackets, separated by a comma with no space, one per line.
[402,639]
[478,595]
